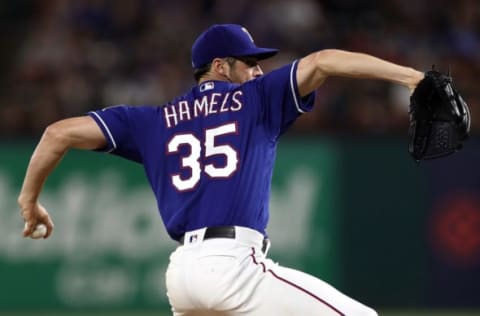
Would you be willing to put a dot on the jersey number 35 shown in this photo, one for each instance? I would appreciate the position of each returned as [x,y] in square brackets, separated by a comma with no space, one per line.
[192,160]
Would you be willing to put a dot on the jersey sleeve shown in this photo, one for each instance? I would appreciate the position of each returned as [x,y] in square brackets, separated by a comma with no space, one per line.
[280,100]
[120,126]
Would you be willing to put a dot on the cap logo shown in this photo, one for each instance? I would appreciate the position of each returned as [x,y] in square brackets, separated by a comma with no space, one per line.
[250,36]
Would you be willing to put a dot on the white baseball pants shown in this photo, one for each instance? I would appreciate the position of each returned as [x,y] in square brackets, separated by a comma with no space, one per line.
[231,277]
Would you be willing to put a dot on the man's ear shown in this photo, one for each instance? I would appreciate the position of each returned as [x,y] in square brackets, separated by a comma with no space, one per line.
[218,65]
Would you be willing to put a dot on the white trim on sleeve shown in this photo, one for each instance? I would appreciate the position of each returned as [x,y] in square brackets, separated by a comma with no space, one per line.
[293,88]
[108,131]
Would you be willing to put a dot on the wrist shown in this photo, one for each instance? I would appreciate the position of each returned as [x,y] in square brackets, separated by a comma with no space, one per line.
[415,78]
[25,200]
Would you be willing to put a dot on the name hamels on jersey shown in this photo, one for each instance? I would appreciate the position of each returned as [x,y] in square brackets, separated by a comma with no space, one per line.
[214,103]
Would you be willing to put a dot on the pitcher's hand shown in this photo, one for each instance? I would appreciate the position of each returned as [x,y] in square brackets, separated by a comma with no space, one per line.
[34,214]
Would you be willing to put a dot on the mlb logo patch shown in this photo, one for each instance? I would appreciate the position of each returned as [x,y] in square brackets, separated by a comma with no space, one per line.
[207,86]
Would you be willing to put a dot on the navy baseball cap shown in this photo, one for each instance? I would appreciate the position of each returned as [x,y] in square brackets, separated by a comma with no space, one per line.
[226,40]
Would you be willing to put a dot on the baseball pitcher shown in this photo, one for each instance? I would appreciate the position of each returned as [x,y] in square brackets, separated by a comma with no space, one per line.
[209,156]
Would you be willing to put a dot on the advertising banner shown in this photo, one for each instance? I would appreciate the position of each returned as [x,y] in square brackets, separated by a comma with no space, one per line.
[109,248]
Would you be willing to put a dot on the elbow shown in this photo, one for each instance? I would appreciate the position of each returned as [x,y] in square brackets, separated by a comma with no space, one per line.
[52,132]
[55,136]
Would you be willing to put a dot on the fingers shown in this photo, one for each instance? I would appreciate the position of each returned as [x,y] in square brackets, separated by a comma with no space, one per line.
[48,222]
[28,228]
[36,216]
[30,223]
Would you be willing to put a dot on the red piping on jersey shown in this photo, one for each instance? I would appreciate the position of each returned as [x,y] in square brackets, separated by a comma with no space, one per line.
[293,284]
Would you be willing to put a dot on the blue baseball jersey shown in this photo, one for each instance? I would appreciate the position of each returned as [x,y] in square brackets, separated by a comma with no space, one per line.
[209,154]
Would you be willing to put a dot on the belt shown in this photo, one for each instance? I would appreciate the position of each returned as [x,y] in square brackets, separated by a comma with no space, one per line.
[225,232]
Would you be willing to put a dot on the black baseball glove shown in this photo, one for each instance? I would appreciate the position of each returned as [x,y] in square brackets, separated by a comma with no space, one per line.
[439,118]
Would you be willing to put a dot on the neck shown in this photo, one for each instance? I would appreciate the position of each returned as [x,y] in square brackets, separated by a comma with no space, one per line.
[213,76]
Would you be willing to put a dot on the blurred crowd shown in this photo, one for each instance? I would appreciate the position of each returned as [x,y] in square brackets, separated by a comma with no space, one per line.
[65,57]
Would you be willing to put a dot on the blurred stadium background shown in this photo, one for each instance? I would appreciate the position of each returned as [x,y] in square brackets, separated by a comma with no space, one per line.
[348,203]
